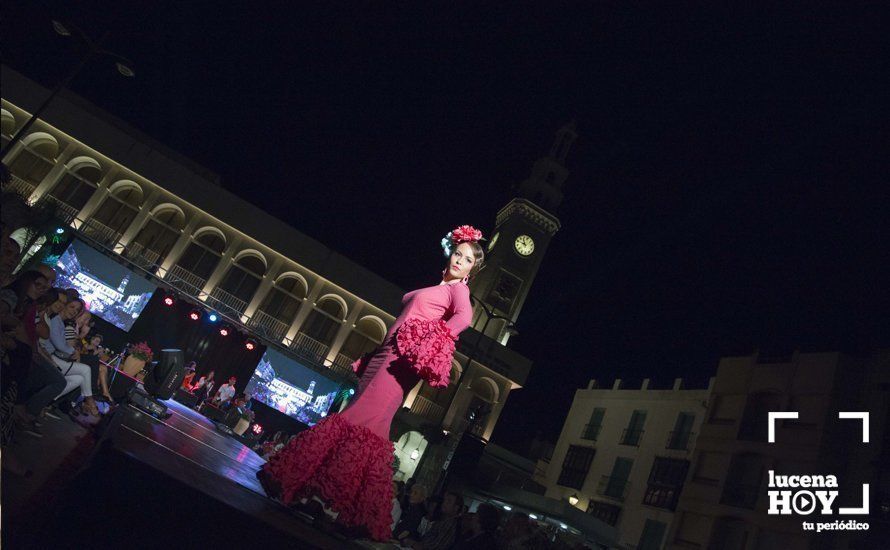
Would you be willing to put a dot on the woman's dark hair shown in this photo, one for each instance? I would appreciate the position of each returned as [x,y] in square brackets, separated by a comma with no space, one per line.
[20,287]
[97,335]
[51,297]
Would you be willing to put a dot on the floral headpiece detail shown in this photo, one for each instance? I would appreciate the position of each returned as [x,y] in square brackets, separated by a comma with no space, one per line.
[461,234]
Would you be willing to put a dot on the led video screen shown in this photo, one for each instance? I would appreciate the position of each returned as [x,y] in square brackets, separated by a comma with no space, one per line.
[289,387]
[109,289]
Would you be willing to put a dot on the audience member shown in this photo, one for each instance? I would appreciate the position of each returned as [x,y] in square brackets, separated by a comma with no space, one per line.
[413,511]
[443,533]
[483,529]
[203,389]
[225,393]
[66,358]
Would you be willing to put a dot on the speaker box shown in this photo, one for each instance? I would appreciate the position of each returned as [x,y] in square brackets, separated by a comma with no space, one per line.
[164,379]
[186,398]
[119,384]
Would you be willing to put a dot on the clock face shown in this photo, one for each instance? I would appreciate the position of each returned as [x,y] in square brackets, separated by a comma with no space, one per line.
[524,245]
[493,241]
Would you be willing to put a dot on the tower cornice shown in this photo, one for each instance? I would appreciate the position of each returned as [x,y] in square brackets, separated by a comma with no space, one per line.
[544,219]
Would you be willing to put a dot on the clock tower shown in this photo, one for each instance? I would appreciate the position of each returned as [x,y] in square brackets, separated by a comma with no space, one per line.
[517,244]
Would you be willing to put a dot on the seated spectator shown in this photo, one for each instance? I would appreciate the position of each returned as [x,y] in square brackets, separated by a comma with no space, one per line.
[443,533]
[483,529]
[412,513]
[67,358]
[203,389]
[93,354]
[23,295]
[189,376]
[225,393]
[433,508]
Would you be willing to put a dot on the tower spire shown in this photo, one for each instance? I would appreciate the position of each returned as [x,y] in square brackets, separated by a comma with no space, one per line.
[544,185]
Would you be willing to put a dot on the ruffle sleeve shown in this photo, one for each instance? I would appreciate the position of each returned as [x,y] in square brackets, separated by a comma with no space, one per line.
[429,347]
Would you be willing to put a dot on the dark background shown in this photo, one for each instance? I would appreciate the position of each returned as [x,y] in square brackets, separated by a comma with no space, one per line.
[728,188]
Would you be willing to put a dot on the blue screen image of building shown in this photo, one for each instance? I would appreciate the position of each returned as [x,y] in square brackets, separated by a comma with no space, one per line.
[113,301]
[307,400]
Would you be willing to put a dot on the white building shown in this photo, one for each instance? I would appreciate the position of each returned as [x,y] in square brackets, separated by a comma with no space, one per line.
[623,456]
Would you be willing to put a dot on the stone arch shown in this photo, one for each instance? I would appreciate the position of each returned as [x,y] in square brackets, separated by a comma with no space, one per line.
[42,143]
[122,186]
[178,221]
[288,275]
[486,389]
[209,229]
[376,328]
[339,300]
[252,253]
[78,163]
[7,122]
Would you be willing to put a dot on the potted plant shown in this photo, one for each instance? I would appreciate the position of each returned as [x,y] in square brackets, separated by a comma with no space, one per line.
[139,356]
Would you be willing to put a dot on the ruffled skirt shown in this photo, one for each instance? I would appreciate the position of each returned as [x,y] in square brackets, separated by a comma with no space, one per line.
[346,466]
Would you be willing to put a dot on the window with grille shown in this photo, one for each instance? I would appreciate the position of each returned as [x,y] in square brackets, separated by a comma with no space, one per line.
[575,466]
[665,482]
[593,427]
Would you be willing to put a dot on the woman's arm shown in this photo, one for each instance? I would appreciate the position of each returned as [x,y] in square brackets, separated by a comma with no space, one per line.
[463,310]
[57,336]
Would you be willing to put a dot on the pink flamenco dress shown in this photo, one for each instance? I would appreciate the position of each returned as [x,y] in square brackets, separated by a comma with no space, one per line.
[346,459]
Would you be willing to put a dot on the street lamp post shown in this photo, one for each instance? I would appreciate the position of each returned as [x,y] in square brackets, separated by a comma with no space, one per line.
[124,66]
[489,315]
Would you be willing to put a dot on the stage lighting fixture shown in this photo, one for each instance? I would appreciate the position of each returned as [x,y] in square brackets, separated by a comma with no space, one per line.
[169,300]
[223,331]
[60,230]
[213,317]
[250,345]
[195,314]
[351,391]
[257,429]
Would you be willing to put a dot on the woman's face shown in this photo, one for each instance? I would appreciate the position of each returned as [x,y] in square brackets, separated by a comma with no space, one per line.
[417,495]
[58,305]
[84,317]
[462,261]
[95,341]
[72,310]
[37,287]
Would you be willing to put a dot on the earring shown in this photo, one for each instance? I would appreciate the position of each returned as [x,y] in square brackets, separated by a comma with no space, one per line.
[466,279]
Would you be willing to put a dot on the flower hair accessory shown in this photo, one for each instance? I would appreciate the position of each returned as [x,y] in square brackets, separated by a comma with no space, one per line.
[461,234]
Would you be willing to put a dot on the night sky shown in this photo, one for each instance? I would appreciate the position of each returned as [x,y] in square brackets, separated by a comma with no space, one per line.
[729,186]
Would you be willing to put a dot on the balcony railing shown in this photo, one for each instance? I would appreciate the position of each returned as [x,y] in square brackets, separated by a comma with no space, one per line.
[64,211]
[344,361]
[274,328]
[20,186]
[145,258]
[185,280]
[613,487]
[310,347]
[222,300]
[427,409]
[100,233]
[631,437]
[679,441]
[591,432]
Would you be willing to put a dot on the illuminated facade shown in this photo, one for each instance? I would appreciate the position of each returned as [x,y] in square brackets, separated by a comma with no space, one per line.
[623,456]
[132,196]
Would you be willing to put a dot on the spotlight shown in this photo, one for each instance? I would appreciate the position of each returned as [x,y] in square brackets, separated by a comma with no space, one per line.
[257,429]
[351,391]
[169,300]
[213,317]
[60,230]
[250,344]
[224,331]
[195,314]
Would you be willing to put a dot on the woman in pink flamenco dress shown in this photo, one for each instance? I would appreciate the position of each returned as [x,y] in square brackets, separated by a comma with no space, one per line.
[346,459]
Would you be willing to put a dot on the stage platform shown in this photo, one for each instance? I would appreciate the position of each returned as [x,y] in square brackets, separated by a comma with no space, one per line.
[173,483]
